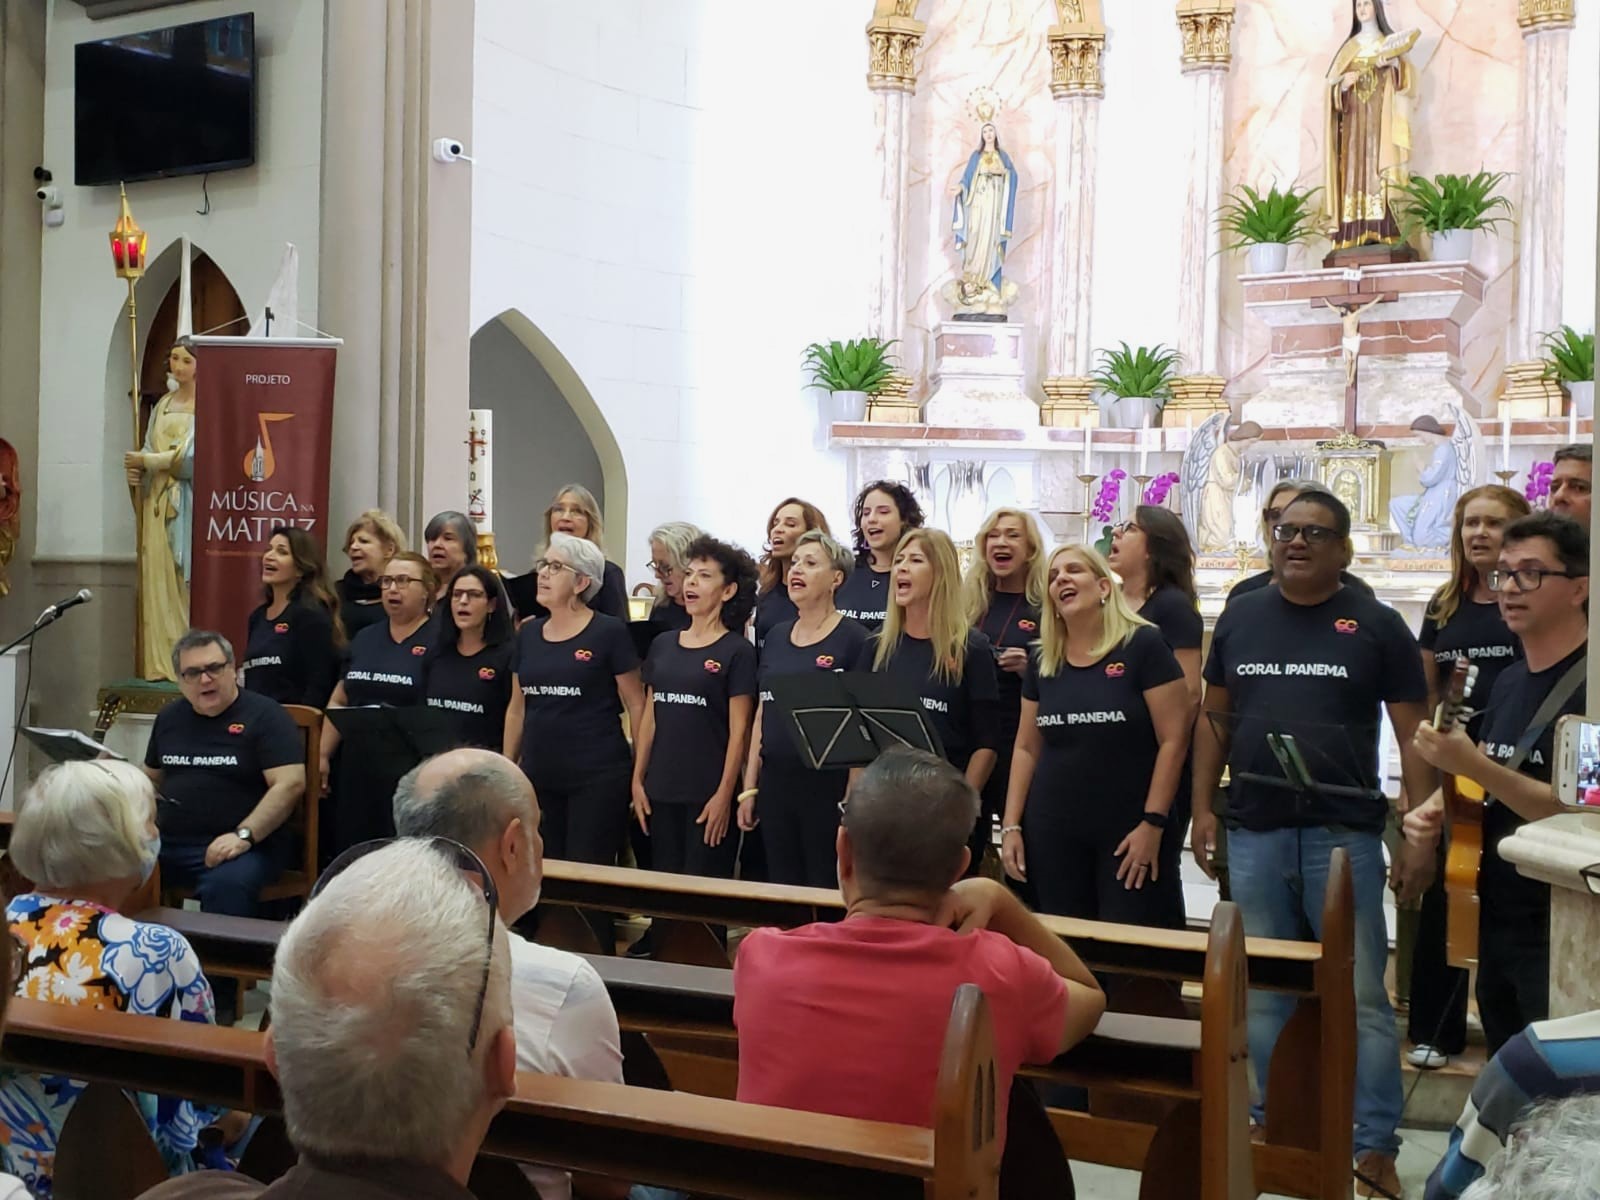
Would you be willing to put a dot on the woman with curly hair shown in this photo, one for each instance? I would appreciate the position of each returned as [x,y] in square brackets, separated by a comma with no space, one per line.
[700,700]
[791,520]
[882,514]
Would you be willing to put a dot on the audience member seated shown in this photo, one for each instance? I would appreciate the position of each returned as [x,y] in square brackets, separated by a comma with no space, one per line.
[565,1024]
[86,837]
[1553,1155]
[230,765]
[875,989]
[377,990]
[1549,1060]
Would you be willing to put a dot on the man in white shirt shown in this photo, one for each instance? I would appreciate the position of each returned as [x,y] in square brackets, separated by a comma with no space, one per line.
[565,1024]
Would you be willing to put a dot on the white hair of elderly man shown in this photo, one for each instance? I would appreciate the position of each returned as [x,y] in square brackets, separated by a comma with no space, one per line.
[1552,1154]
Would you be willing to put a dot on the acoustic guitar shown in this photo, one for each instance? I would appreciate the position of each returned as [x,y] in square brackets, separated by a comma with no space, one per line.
[1463,803]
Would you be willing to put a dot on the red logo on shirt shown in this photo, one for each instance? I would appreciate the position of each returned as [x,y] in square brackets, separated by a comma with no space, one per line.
[236,727]
[1028,626]
[1115,670]
[281,627]
[583,655]
[825,661]
[1345,625]
[485,672]
[713,667]
[419,651]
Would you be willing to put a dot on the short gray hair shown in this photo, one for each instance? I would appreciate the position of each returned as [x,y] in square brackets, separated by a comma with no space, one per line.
[199,639]
[83,823]
[908,818]
[1552,1154]
[584,557]
[471,804]
[466,531]
[373,989]
[838,557]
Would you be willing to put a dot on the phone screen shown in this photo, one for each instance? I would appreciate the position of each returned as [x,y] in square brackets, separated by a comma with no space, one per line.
[1578,763]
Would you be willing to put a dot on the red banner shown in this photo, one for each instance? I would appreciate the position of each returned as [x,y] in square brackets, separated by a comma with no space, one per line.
[263,440]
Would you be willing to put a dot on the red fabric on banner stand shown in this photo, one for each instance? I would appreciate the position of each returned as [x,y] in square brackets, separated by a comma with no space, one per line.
[263,443]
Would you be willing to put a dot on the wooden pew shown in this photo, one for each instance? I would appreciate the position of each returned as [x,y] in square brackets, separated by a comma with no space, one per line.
[1198,1067]
[1309,1134]
[715,1147]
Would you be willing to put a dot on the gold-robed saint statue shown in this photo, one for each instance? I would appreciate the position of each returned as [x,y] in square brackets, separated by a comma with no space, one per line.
[1368,129]
[162,472]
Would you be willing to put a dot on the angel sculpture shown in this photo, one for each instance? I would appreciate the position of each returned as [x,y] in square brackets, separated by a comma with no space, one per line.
[1424,520]
[1210,480]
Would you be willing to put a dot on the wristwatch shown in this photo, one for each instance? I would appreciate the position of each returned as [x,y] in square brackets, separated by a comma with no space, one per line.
[244,835]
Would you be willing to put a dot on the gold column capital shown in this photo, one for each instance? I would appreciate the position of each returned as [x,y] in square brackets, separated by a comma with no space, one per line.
[892,44]
[1537,15]
[1068,402]
[1075,54]
[1207,30]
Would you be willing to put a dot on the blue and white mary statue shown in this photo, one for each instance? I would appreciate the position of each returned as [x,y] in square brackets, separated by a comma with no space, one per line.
[985,203]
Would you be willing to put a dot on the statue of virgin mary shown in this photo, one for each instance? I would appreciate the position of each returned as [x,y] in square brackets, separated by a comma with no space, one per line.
[1368,129]
[985,203]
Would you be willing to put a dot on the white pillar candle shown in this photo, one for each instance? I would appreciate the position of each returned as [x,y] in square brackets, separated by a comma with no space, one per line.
[480,468]
[1572,422]
[1088,440]
[1144,448]
[1505,442]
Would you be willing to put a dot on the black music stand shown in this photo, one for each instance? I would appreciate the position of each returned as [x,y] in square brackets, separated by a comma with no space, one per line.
[847,719]
[1296,777]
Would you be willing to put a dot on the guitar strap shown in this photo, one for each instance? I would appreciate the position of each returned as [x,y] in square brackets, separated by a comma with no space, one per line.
[1553,704]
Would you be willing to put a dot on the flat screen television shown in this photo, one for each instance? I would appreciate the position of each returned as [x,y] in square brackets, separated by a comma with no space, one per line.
[174,101]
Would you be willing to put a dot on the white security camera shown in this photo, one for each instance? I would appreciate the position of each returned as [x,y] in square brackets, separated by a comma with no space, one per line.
[449,150]
[48,196]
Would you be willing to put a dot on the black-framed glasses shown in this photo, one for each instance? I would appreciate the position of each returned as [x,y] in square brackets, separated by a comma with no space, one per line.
[1315,535]
[1591,876]
[1529,579]
[1125,528]
[660,568]
[398,581]
[468,594]
[1271,515]
[550,566]
[196,674]
[472,870]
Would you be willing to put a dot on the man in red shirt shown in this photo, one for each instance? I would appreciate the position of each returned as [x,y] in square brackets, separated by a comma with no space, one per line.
[850,1017]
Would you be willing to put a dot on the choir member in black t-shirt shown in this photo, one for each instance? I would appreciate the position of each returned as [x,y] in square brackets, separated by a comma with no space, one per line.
[699,703]
[927,642]
[798,808]
[292,655]
[372,540]
[792,518]
[1003,592]
[575,512]
[883,512]
[388,664]
[576,672]
[1281,494]
[1462,621]
[451,542]
[1105,728]
[669,549]
[1155,560]
[1571,482]
[472,672]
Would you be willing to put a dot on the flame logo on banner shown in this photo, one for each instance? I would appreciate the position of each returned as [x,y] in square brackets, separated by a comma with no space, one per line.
[259,461]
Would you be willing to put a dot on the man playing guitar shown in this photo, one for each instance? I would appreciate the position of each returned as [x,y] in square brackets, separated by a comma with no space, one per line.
[1542,581]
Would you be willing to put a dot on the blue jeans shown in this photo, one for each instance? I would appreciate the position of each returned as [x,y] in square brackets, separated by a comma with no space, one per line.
[1278,879]
[232,888]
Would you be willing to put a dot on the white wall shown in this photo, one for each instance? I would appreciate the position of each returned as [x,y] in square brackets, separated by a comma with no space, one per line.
[84,372]
[680,200]
[1583,170]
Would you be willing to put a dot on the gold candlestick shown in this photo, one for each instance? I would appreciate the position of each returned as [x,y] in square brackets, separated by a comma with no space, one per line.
[1143,481]
[1505,477]
[1087,479]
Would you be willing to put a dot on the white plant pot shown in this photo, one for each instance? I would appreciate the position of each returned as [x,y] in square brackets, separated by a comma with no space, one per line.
[1267,258]
[1582,398]
[1453,245]
[849,406]
[1132,412]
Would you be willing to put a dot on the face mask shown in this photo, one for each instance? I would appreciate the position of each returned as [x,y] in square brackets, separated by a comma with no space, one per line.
[149,853]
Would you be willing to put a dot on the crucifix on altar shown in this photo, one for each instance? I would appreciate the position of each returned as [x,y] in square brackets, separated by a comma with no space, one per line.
[1350,310]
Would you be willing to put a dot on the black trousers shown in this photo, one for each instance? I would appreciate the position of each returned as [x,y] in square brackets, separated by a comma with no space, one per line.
[1074,874]
[588,822]
[678,845]
[1438,990]
[799,811]
[1513,970]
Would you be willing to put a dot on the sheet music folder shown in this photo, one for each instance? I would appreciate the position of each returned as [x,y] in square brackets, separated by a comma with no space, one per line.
[404,734]
[839,720]
[67,745]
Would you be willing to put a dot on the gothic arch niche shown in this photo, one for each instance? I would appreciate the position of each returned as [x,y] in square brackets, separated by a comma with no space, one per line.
[548,431]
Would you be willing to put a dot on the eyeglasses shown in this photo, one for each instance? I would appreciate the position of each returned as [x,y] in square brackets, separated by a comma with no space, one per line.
[195,674]
[1315,535]
[660,568]
[1125,528]
[550,566]
[472,870]
[561,510]
[469,594]
[396,581]
[1271,515]
[1528,579]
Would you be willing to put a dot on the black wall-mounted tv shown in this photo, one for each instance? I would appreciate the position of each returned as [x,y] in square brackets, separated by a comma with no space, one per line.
[174,101]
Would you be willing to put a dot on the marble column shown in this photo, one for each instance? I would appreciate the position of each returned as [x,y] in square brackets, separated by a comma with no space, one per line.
[1206,27]
[1541,226]
[394,278]
[1557,851]
[1076,82]
[893,38]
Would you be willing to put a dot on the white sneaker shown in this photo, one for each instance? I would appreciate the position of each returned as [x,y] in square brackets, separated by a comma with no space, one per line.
[1427,1058]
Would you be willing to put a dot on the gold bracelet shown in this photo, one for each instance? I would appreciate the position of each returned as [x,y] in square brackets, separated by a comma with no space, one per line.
[748,793]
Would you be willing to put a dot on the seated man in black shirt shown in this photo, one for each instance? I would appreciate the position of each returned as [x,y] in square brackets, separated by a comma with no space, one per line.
[1312,657]
[1542,580]
[230,766]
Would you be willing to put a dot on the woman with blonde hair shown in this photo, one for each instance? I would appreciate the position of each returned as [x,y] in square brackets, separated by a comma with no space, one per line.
[927,642]
[371,540]
[575,512]
[1104,731]
[790,520]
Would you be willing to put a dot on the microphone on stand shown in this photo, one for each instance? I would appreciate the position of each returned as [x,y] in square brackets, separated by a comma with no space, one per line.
[54,611]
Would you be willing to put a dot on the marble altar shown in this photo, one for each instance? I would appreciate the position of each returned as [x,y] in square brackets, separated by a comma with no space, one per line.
[978,375]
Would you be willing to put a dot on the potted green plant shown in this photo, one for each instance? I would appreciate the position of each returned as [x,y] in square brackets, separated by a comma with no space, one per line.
[1265,226]
[1452,208]
[1569,357]
[851,370]
[1140,382]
